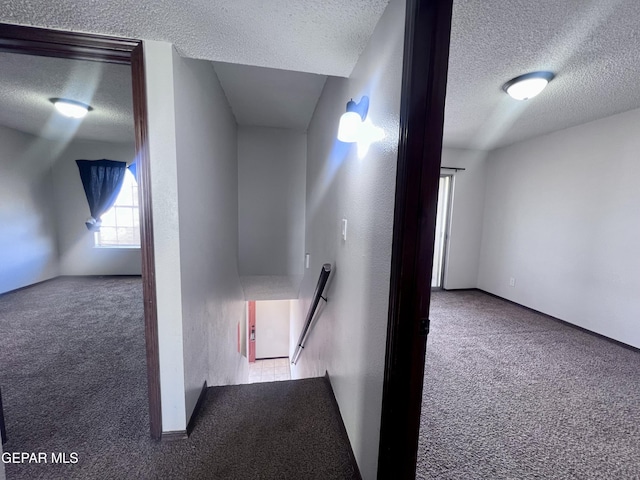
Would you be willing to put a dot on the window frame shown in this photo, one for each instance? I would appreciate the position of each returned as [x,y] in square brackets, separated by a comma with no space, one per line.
[129,182]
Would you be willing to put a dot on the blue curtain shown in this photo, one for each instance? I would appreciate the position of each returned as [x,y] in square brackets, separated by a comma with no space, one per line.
[134,170]
[102,180]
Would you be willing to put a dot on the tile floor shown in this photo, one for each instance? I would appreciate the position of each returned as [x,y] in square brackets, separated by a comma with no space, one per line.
[271,370]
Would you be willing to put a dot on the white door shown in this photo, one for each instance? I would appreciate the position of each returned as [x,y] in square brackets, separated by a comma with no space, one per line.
[272,328]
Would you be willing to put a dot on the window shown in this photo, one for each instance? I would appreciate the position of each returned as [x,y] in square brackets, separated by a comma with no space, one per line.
[442,230]
[121,224]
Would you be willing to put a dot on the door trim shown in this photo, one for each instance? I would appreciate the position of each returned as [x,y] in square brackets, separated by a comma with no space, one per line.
[424,78]
[251,322]
[99,48]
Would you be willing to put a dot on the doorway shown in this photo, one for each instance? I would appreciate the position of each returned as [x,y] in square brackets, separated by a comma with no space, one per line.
[268,324]
[443,216]
[97,48]
[424,81]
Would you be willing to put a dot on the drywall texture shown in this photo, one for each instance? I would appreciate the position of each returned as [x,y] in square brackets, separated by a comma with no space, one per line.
[272,328]
[271,199]
[158,63]
[348,338]
[28,250]
[270,97]
[588,45]
[271,287]
[467,208]
[29,81]
[212,297]
[78,256]
[306,35]
[561,218]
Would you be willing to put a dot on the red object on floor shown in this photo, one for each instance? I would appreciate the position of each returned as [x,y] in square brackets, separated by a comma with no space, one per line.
[252,332]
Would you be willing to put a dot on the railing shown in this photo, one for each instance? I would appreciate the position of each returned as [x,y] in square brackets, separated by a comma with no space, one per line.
[322,281]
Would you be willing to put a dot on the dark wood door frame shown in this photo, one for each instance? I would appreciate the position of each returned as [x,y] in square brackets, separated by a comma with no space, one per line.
[424,78]
[82,46]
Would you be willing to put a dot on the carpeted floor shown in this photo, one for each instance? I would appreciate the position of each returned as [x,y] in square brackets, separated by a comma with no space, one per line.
[512,394]
[73,380]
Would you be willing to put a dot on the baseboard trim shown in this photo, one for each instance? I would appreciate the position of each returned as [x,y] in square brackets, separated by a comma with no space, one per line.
[174,435]
[197,408]
[564,322]
[24,287]
[178,435]
[343,429]
[102,275]
[40,282]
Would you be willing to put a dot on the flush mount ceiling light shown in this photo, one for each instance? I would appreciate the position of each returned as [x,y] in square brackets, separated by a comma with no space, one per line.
[528,85]
[71,108]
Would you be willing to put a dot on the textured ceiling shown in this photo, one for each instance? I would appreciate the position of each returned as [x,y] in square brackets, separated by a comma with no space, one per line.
[27,82]
[268,97]
[324,37]
[592,46]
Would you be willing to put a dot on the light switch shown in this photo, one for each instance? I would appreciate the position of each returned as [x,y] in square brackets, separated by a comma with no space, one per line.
[344,229]
[307,260]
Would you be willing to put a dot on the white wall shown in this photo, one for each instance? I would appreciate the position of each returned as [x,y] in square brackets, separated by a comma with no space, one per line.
[158,60]
[562,218]
[271,193]
[212,297]
[78,256]
[272,328]
[28,248]
[349,337]
[467,208]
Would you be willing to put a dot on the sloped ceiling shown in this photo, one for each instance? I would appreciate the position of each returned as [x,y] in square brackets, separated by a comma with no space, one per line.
[591,45]
[268,97]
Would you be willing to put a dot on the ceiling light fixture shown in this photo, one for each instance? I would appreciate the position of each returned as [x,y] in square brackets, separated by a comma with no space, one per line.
[528,85]
[350,122]
[71,108]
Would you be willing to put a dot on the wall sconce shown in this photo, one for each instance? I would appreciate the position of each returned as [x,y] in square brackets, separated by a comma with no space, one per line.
[351,121]
[355,127]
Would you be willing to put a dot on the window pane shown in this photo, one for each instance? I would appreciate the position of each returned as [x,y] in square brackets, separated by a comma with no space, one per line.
[124,216]
[120,225]
[109,218]
[126,236]
[108,236]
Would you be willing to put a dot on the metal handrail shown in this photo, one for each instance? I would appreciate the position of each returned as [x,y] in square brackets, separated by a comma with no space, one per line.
[322,281]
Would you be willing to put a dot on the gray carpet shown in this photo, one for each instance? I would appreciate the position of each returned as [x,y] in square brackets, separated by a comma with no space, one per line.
[513,394]
[73,380]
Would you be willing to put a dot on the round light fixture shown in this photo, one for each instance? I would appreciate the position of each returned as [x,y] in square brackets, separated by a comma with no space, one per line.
[71,108]
[528,85]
